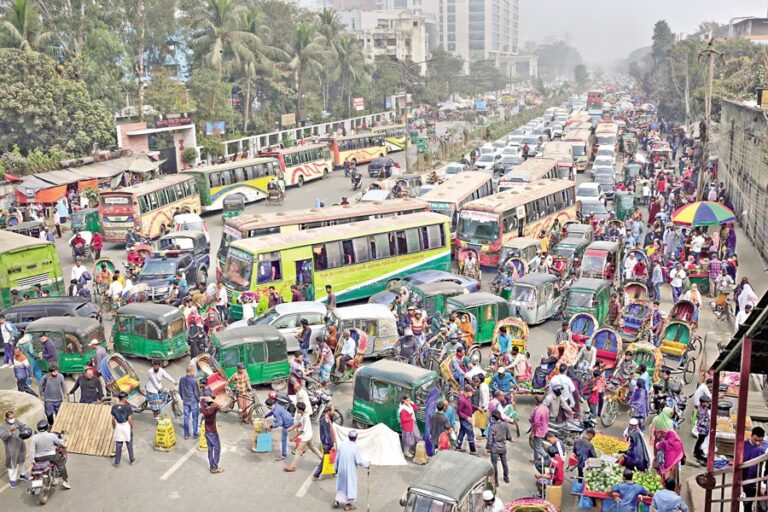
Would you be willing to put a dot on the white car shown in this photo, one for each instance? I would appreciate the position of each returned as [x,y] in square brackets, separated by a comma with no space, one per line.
[191,222]
[488,162]
[287,317]
[590,192]
[606,150]
[510,151]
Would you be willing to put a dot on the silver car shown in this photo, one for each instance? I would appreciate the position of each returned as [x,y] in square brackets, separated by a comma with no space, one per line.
[287,318]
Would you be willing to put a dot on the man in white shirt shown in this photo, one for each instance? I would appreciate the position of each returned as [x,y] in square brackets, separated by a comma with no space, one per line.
[348,351]
[676,278]
[697,242]
[78,270]
[156,376]
[712,194]
[742,315]
[491,502]
[569,388]
[221,301]
[704,389]
[629,266]
[115,288]
[302,423]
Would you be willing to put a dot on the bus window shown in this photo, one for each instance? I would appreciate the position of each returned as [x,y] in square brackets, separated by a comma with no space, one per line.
[334,254]
[361,250]
[226,177]
[239,175]
[320,257]
[173,193]
[413,240]
[269,267]
[143,204]
[349,252]
[179,191]
[152,197]
[214,179]
[380,247]
[433,237]
[402,245]
[162,198]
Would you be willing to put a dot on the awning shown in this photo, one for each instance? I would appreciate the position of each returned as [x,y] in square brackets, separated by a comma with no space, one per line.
[142,165]
[91,183]
[62,177]
[756,328]
[98,170]
[49,195]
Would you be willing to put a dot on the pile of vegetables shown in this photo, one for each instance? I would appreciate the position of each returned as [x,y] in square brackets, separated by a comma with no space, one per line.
[602,479]
[649,479]
[609,445]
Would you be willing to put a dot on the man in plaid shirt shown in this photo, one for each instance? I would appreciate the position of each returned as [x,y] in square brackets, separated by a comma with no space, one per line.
[715,266]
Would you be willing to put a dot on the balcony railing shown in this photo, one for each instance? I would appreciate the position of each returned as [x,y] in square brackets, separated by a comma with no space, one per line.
[723,489]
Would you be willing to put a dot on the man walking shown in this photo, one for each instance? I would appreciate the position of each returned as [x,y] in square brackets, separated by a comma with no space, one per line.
[657,279]
[122,423]
[539,427]
[90,388]
[15,451]
[327,437]
[190,397]
[53,392]
[498,435]
[302,424]
[348,458]
[676,278]
[209,408]
[7,332]
[466,409]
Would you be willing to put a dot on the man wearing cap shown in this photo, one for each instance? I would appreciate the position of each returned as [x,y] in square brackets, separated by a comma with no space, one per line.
[99,355]
[501,381]
[122,423]
[348,457]
[407,346]
[704,389]
[242,383]
[491,503]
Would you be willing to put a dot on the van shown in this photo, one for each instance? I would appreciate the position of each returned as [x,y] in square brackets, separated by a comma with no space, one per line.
[28,311]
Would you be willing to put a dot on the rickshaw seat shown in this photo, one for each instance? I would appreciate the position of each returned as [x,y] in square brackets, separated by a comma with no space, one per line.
[672,348]
[580,338]
[126,383]
[606,355]
[217,384]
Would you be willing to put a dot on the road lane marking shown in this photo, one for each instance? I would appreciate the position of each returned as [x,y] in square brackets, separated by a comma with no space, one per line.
[184,458]
[4,488]
[304,487]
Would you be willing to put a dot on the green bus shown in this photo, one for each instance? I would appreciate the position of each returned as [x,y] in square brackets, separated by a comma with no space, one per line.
[26,261]
[358,259]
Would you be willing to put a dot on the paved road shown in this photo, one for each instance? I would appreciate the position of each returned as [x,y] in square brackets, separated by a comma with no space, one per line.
[180,478]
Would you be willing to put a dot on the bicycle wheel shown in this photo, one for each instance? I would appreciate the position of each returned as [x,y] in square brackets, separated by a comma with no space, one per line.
[609,412]
[689,370]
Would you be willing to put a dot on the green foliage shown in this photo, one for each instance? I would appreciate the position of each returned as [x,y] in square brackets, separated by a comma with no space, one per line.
[211,147]
[92,194]
[211,94]
[166,94]
[41,108]
[557,60]
[663,39]
[189,155]
[581,75]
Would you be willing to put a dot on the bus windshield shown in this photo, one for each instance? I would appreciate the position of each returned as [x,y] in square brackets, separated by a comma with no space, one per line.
[238,269]
[606,139]
[579,150]
[474,225]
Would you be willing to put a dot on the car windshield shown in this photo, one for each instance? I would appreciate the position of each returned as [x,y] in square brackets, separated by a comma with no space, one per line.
[531,141]
[238,269]
[565,252]
[587,192]
[590,208]
[192,226]
[266,318]
[592,264]
[486,158]
[581,299]
[481,226]
[484,150]
[605,180]
[158,268]
[511,160]
[522,293]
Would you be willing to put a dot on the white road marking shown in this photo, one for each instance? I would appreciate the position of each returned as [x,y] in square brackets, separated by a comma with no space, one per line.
[184,458]
[4,488]
[304,487]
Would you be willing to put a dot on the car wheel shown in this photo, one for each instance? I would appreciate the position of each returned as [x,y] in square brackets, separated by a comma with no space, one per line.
[300,181]
[202,276]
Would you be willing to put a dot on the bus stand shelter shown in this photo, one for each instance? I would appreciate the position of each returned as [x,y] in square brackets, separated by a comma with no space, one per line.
[746,354]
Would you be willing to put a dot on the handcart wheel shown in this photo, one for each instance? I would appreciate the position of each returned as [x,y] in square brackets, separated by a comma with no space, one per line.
[689,371]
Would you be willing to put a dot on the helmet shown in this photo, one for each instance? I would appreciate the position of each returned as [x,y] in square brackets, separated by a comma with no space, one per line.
[42,426]
[675,388]
[25,433]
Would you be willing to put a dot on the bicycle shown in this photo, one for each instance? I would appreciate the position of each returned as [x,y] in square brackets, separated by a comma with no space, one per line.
[253,404]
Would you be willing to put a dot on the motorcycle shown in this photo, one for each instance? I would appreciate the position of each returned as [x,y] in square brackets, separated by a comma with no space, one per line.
[45,475]
[569,430]
[320,401]
[357,181]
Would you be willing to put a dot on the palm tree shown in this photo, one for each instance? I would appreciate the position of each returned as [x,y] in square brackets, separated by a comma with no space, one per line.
[307,53]
[21,29]
[350,60]
[223,41]
[329,28]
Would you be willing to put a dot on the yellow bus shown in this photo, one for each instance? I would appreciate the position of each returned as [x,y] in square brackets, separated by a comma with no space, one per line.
[450,196]
[247,178]
[530,171]
[394,136]
[582,147]
[147,207]
[357,149]
[357,259]
[291,221]
[487,223]
[303,163]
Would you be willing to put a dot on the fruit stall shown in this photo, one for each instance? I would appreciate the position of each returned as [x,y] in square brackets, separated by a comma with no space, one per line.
[601,475]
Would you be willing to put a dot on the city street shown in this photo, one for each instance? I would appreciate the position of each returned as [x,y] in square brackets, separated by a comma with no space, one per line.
[180,479]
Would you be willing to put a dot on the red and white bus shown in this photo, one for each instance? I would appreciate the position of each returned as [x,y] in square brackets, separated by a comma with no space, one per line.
[147,207]
[357,149]
[302,163]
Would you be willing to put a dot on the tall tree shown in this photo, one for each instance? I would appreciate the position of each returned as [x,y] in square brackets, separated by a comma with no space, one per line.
[21,29]
[350,57]
[223,41]
[663,39]
[581,75]
[329,28]
[307,53]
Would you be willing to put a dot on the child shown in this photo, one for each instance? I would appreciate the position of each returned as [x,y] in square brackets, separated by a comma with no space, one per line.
[702,428]
[555,475]
[596,385]
[444,441]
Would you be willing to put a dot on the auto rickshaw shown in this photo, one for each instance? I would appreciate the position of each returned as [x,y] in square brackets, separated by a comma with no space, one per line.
[380,386]
[623,204]
[601,260]
[485,309]
[433,296]
[151,331]
[86,219]
[536,297]
[453,481]
[588,295]
[261,348]
[634,275]
[578,230]
[120,377]
[374,320]
[571,249]
[72,338]
[472,272]
[524,248]
[636,313]
[30,228]
[232,206]
[517,330]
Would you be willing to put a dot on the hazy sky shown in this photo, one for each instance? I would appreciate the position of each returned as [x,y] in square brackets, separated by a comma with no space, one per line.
[606,30]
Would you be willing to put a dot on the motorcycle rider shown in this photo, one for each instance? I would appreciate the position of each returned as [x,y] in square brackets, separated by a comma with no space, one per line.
[407,346]
[42,448]
[357,179]
[131,238]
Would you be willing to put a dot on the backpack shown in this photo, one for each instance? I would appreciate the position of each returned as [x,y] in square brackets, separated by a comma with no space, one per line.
[13,331]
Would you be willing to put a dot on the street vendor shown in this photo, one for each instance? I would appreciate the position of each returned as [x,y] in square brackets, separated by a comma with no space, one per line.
[636,456]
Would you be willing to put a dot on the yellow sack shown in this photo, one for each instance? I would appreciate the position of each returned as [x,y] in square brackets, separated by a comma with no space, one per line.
[328,465]
[480,419]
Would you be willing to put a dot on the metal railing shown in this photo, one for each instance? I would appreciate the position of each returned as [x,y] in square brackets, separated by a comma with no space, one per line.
[723,489]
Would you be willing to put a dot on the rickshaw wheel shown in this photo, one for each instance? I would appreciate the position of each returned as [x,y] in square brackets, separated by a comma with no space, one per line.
[338,418]
[695,344]
[359,424]
[475,351]
[609,412]
[689,371]
[279,385]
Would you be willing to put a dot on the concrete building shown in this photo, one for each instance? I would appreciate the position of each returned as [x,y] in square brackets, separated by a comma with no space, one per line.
[743,167]
[753,28]
[400,34]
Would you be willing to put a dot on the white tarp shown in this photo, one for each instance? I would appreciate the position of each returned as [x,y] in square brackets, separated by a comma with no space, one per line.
[379,444]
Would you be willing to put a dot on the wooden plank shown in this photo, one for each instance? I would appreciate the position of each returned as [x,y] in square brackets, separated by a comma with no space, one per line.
[88,426]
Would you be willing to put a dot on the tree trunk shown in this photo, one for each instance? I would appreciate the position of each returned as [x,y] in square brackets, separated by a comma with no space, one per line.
[140,68]
[247,106]
[299,87]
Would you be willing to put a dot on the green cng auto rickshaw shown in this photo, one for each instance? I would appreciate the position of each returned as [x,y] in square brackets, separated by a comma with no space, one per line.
[570,248]
[232,206]
[453,482]
[433,296]
[484,309]
[86,220]
[151,331]
[602,260]
[380,386]
[589,295]
[72,338]
[261,348]
[623,204]
[523,247]
[577,230]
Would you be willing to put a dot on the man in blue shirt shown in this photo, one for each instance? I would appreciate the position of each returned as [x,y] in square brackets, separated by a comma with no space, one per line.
[190,396]
[505,342]
[501,381]
[667,500]
[753,448]
[281,418]
[628,492]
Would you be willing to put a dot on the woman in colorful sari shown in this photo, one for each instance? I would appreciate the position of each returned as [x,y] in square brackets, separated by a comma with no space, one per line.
[670,453]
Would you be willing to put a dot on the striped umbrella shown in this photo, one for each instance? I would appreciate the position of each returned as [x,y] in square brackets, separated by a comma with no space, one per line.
[703,213]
